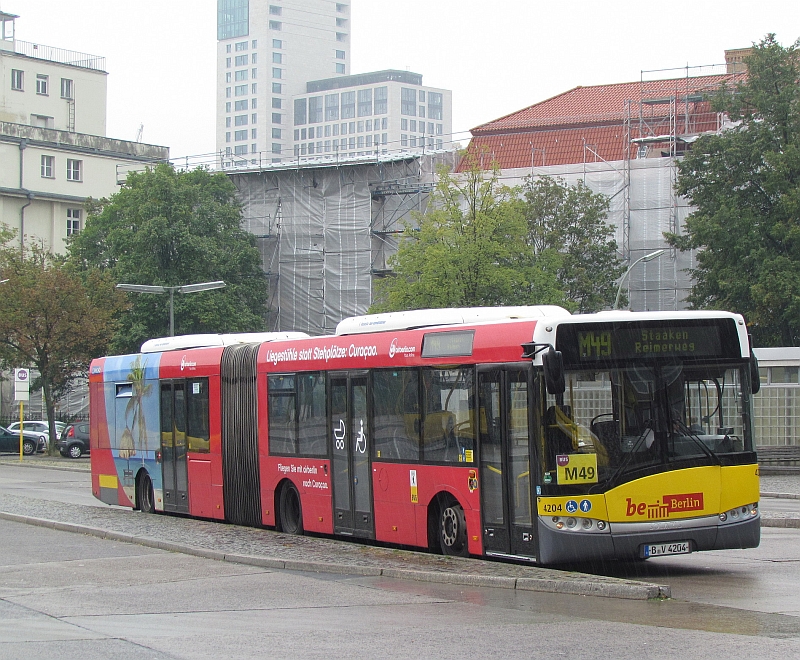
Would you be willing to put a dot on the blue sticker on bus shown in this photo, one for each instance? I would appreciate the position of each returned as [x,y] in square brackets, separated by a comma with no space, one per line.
[586,506]
[571,506]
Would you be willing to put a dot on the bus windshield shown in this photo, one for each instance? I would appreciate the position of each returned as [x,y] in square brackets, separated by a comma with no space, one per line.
[642,418]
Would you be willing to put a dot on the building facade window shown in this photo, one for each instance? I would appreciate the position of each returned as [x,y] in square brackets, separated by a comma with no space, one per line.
[341,7]
[331,107]
[381,100]
[254,103]
[240,135]
[276,148]
[240,150]
[315,110]
[241,75]
[240,46]
[348,105]
[254,73]
[435,106]
[340,68]
[48,167]
[241,105]
[228,62]
[341,36]
[67,88]
[340,55]
[233,19]
[277,88]
[73,221]
[341,22]
[254,88]
[227,136]
[277,103]
[277,118]
[254,43]
[241,60]
[277,58]
[277,73]
[17,80]
[300,112]
[253,133]
[241,120]
[408,101]
[240,90]
[277,43]
[254,118]
[228,106]
[74,170]
[227,92]
[227,122]
[274,10]
[275,25]
[276,133]
[254,58]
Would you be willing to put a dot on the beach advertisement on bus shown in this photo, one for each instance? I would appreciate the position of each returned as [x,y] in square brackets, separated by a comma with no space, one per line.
[132,398]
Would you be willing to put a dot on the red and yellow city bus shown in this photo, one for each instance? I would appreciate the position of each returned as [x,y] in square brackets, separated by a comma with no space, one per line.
[516,432]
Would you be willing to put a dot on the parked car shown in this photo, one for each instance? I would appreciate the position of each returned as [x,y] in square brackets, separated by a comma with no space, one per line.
[31,442]
[38,426]
[74,441]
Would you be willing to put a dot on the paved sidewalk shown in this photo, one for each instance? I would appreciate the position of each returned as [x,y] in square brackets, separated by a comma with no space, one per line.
[275,550]
[271,549]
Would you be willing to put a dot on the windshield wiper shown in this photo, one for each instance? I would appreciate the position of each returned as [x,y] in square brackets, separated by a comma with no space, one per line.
[611,481]
[688,433]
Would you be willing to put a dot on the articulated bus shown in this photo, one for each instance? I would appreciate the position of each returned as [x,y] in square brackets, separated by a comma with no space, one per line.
[523,433]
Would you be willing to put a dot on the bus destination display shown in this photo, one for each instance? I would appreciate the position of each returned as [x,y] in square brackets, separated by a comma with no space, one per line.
[642,342]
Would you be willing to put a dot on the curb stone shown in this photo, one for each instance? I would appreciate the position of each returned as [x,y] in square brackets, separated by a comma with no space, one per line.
[566,583]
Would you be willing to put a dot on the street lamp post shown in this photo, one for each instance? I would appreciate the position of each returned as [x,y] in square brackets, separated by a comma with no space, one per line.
[645,258]
[186,288]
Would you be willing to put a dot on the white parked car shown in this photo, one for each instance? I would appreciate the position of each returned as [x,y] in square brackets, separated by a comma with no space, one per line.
[38,426]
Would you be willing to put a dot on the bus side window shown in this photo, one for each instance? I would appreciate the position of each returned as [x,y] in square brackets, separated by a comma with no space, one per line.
[395,405]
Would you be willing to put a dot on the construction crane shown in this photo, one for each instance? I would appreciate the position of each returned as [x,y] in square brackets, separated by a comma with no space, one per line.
[139,133]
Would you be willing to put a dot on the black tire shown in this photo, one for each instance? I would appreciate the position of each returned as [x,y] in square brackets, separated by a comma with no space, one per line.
[144,494]
[28,447]
[75,451]
[290,513]
[453,530]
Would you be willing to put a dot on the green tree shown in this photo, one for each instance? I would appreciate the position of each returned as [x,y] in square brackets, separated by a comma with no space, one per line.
[468,250]
[53,320]
[170,228]
[568,233]
[745,186]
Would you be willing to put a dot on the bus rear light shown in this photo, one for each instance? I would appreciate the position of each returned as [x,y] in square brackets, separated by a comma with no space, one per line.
[723,516]
[601,525]
[587,523]
[571,522]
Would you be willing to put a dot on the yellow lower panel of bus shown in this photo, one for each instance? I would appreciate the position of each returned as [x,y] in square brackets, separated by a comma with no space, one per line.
[690,493]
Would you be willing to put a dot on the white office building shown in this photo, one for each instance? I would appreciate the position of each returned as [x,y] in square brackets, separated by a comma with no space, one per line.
[371,113]
[267,50]
[53,148]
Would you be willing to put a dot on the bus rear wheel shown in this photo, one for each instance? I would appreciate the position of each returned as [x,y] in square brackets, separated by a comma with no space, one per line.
[144,494]
[289,511]
[453,530]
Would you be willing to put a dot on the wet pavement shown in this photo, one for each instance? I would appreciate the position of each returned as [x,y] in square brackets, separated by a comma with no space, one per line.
[260,547]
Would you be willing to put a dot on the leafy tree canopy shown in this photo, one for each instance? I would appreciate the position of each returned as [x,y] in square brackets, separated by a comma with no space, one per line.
[171,228]
[745,186]
[567,227]
[485,244]
[53,320]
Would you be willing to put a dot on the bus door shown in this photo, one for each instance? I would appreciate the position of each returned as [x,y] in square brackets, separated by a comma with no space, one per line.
[506,498]
[351,447]
[173,447]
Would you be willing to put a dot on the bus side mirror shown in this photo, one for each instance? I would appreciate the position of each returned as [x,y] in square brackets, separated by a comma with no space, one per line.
[755,377]
[553,364]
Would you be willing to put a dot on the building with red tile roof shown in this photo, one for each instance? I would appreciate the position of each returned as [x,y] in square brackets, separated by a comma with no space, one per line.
[603,123]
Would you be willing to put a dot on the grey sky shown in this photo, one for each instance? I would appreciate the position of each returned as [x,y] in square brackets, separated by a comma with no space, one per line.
[496,56]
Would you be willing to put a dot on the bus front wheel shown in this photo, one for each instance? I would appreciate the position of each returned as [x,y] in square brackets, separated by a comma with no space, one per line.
[453,530]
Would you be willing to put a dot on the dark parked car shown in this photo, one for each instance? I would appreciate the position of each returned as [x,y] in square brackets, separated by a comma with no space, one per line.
[74,441]
[31,442]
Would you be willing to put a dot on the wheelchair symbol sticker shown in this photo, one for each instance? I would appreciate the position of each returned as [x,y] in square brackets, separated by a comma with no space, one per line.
[586,506]
[571,506]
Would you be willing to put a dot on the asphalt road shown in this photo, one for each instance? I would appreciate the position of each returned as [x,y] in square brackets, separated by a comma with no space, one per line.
[65,595]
